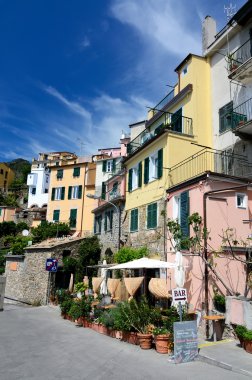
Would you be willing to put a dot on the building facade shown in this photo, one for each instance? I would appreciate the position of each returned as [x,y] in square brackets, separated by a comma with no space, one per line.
[7,176]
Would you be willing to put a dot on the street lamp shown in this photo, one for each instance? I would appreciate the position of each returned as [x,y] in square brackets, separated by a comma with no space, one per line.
[118,212]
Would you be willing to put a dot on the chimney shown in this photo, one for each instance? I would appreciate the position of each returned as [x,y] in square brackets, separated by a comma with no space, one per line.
[208,32]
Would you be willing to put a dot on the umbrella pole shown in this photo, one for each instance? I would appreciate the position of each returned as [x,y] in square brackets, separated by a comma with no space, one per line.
[145,282]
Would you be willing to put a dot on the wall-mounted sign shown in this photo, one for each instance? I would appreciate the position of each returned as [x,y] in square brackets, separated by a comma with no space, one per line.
[51,265]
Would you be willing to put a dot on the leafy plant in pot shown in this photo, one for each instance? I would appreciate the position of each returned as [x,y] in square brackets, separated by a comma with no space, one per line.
[75,312]
[162,338]
[239,331]
[247,338]
[140,316]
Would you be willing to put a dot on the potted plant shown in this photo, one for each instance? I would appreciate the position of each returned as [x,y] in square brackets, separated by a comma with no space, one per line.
[75,312]
[140,317]
[239,331]
[65,305]
[247,341]
[219,302]
[80,289]
[162,339]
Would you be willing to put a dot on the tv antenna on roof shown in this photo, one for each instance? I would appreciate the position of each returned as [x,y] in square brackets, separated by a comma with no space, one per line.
[81,146]
[230,10]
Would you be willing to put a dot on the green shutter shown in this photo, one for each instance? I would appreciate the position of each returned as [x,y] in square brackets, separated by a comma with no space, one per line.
[56,214]
[73,217]
[0,211]
[53,194]
[146,170]
[62,193]
[134,220]
[69,192]
[104,166]
[184,213]
[103,194]
[140,174]
[160,163]
[111,219]
[105,221]
[114,166]
[130,180]
[76,172]
[225,117]
[60,173]
[176,121]
[79,192]
[152,215]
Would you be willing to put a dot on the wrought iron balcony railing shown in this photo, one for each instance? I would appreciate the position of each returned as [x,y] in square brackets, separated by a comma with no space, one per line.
[240,56]
[242,114]
[210,160]
[174,123]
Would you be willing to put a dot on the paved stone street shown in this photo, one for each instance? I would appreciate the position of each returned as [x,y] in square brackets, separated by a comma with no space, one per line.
[35,343]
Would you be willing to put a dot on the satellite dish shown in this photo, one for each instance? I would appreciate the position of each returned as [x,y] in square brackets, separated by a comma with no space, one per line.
[25,232]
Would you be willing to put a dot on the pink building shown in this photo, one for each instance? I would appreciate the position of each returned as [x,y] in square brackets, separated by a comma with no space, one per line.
[224,202]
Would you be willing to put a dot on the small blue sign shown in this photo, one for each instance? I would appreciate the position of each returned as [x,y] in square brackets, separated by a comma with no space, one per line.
[51,265]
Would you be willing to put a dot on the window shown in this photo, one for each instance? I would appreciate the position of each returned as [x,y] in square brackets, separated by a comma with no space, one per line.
[33,190]
[181,211]
[0,211]
[185,70]
[225,117]
[108,166]
[6,174]
[134,220]
[1,171]
[76,172]
[97,224]
[152,215]
[103,193]
[108,222]
[153,166]
[73,217]
[241,200]
[59,173]
[135,177]
[56,215]
[74,192]
[176,121]
[58,193]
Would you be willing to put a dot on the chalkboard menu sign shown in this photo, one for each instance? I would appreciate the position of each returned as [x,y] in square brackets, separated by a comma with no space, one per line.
[185,341]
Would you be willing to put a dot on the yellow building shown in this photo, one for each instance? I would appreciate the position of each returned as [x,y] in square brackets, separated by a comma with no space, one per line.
[69,184]
[6,176]
[176,129]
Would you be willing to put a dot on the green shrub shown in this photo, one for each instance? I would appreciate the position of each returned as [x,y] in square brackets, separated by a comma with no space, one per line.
[247,335]
[219,302]
[75,310]
[65,306]
[240,330]
[126,254]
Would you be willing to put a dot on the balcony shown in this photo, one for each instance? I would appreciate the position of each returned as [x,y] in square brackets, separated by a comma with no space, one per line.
[240,63]
[210,160]
[174,123]
[114,194]
[242,118]
[163,102]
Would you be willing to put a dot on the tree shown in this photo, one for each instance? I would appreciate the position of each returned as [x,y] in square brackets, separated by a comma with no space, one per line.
[49,230]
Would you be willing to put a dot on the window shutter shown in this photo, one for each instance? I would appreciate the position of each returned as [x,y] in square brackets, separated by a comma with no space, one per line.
[80,192]
[60,173]
[53,194]
[103,194]
[69,192]
[184,213]
[73,216]
[62,193]
[76,172]
[110,219]
[105,221]
[134,220]
[146,170]
[149,216]
[114,166]
[225,117]
[160,163]
[140,174]
[56,214]
[130,180]
[176,121]
[152,215]
[95,222]
[104,166]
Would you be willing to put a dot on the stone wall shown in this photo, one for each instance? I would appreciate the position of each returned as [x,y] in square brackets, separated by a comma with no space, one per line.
[26,277]
[152,238]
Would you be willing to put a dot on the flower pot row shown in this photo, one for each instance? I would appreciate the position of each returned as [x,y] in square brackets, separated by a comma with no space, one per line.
[163,343]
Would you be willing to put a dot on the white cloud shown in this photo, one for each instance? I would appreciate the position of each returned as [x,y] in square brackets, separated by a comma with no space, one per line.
[85,43]
[166,23]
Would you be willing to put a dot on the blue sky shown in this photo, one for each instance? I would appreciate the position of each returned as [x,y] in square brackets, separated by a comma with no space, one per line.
[80,71]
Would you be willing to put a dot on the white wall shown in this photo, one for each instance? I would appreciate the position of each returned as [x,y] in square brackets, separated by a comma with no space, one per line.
[42,184]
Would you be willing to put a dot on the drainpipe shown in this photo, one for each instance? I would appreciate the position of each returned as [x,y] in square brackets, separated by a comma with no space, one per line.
[206,272]
[83,195]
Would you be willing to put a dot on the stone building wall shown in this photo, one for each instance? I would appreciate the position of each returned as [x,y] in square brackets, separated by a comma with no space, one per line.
[26,277]
[154,239]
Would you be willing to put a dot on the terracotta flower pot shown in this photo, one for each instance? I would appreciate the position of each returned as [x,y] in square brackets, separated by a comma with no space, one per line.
[118,334]
[163,343]
[247,344]
[132,338]
[145,341]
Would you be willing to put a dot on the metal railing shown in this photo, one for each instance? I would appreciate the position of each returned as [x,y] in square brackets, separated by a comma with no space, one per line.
[164,101]
[113,194]
[179,124]
[241,55]
[242,114]
[210,160]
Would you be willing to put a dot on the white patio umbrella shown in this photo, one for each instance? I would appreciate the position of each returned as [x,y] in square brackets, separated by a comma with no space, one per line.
[179,273]
[144,262]
[104,275]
